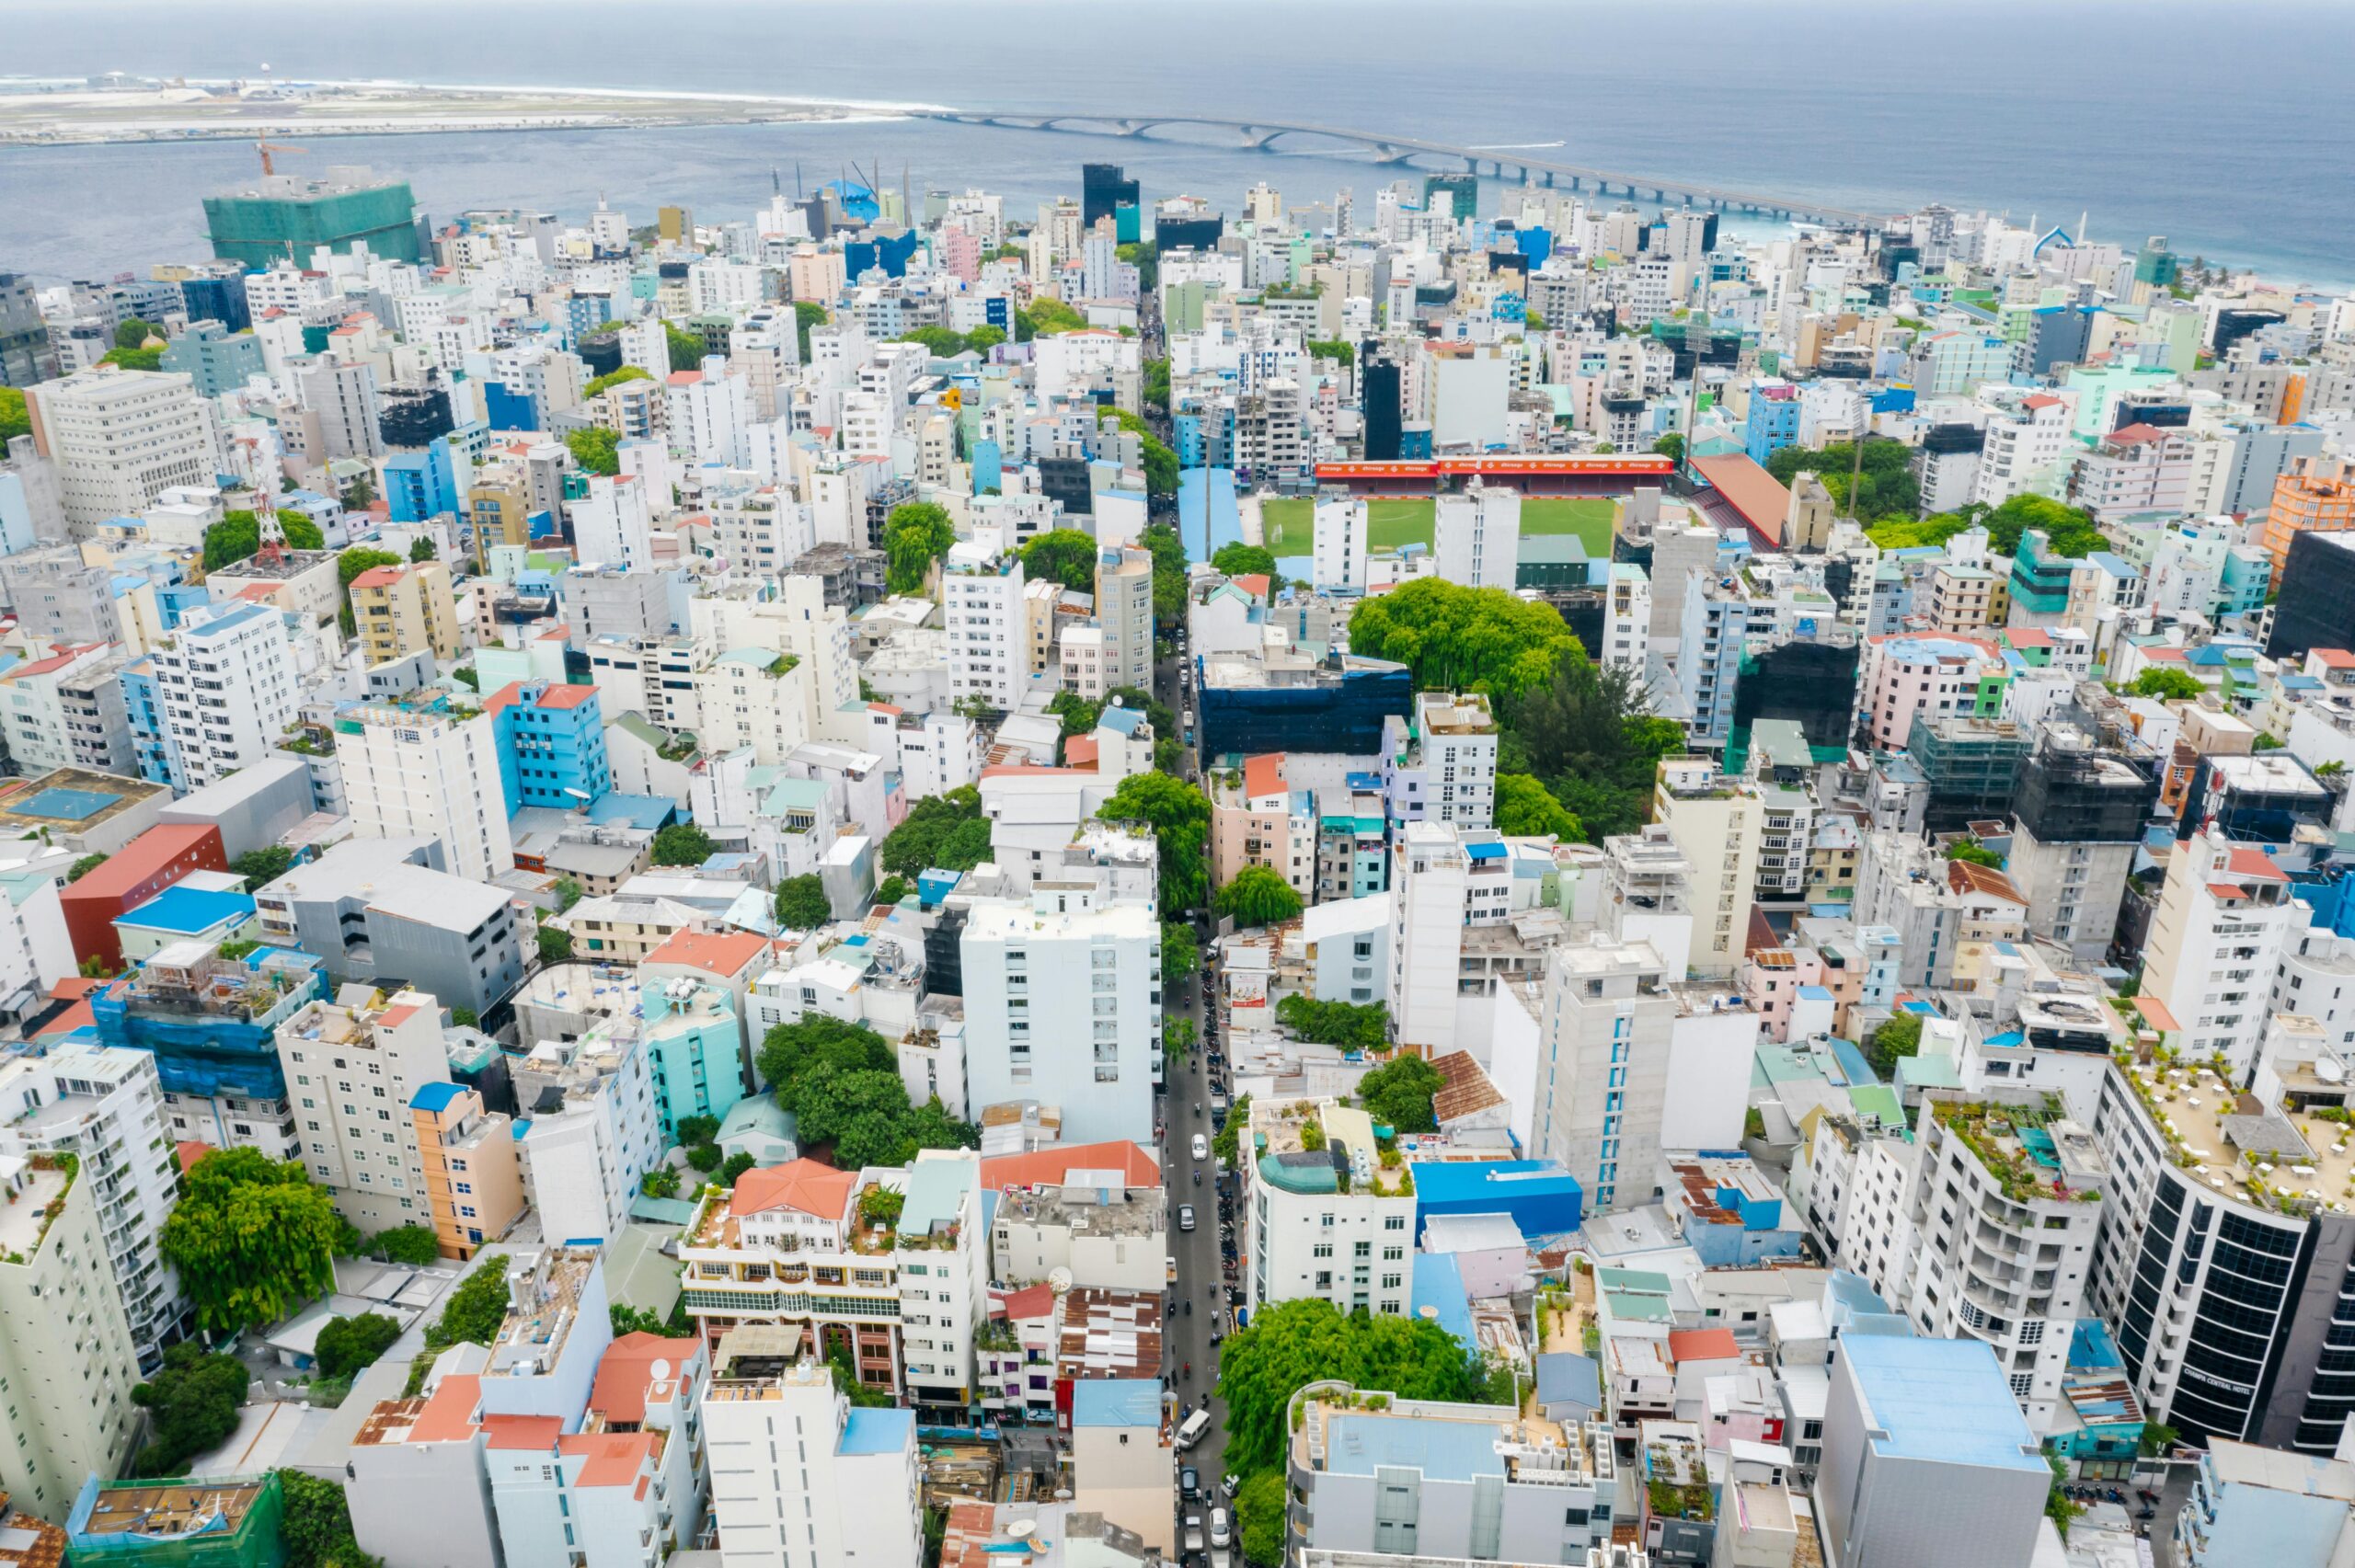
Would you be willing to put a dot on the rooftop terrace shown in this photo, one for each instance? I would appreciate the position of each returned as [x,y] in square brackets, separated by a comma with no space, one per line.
[2292,1161]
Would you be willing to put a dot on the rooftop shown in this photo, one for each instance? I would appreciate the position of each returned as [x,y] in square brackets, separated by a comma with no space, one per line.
[1939,1399]
[2232,1141]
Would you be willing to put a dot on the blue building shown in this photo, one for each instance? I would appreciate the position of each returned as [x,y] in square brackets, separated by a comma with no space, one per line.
[211,1025]
[151,738]
[1539,1196]
[892,253]
[1341,709]
[1773,422]
[215,359]
[1728,1213]
[551,746]
[420,486]
[509,408]
[217,299]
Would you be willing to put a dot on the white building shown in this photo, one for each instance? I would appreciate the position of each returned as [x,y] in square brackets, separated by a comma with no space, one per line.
[1034,970]
[2225,918]
[120,438]
[1308,1236]
[711,414]
[614,525]
[1615,1031]
[1339,546]
[989,655]
[1124,617]
[104,1105]
[1628,614]
[350,1073]
[1476,536]
[1439,886]
[425,771]
[1717,822]
[226,683]
[802,1479]
[590,1130]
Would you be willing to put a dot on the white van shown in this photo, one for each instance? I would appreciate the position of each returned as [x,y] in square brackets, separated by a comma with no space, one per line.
[1191,1433]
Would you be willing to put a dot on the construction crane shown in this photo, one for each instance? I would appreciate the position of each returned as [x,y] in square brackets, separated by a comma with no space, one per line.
[266,148]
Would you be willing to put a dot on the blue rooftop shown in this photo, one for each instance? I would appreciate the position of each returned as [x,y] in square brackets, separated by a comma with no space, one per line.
[1565,1376]
[67,804]
[1438,1285]
[1363,1443]
[647,811]
[1940,1399]
[1125,720]
[1485,851]
[189,911]
[435,1096]
[1116,1402]
[878,1431]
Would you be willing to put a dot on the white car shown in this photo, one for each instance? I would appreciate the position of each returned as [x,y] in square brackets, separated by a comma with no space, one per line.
[1202,1147]
[1218,1527]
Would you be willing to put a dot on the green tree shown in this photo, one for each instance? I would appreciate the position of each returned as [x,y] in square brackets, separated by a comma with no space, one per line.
[83,867]
[846,1382]
[1586,734]
[1398,1094]
[413,1244]
[1259,1519]
[1890,487]
[801,903]
[733,1172]
[555,945]
[14,418]
[629,1320]
[1974,852]
[685,349]
[893,889]
[1307,1340]
[697,1129]
[683,843]
[940,343]
[1179,815]
[266,864]
[705,1157]
[1454,638]
[191,1404]
[1224,1141]
[790,1051]
[1352,1025]
[1078,714]
[1168,552]
[2069,532]
[808,313]
[1240,560]
[474,1308]
[916,534]
[300,530]
[1046,318]
[567,893]
[1063,554]
[596,448]
[938,830]
[1896,1039]
[465,1018]
[252,1238]
[1146,256]
[346,1346]
[2061,1509]
[2173,685]
[1670,446]
[1157,384]
[421,549]
[1181,954]
[1160,463]
[984,338]
[615,378]
[134,333]
[359,494]
[133,358]
[1258,896]
[1525,808]
[237,537]
[1340,349]
[350,564]
[316,1524]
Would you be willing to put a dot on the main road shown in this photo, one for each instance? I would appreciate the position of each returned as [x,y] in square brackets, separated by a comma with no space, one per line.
[1263,134]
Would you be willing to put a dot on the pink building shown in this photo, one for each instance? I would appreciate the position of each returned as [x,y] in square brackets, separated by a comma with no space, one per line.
[1930,675]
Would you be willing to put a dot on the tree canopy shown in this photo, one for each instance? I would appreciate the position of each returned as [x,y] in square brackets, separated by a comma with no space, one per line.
[801,903]
[621,377]
[1901,1036]
[1046,318]
[916,534]
[1398,1094]
[1890,489]
[1353,1025]
[1523,807]
[1670,446]
[1238,560]
[808,313]
[1585,736]
[14,418]
[596,448]
[266,864]
[237,537]
[1259,1512]
[682,844]
[192,1406]
[474,1308]
[1307,1340]
[2172,685]
[1973,852]
[1064,556]
[2069,532]
[1258,896]
[347,1345]
[842,1082]
[1179,815]
[318,1524]
[1340,349]
[1180,953]
[944,830]
[1456,638]
[945,343]
[252,1238]
[685,350]
[1168,552]
[1160,463]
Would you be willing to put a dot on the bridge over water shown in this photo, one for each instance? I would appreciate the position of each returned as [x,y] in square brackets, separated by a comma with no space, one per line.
[1264,135]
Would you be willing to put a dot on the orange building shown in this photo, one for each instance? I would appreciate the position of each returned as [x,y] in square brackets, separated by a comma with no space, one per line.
[474,1181]
[2317,496]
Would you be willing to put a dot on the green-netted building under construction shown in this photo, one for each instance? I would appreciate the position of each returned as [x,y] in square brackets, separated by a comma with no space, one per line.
[285,218]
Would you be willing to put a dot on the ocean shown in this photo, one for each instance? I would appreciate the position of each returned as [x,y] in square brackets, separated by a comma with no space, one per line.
[2223,127]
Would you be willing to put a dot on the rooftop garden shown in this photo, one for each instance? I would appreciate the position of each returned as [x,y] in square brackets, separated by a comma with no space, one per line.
[1992,1133]
[679,747]
[782,664]
[1690,1501]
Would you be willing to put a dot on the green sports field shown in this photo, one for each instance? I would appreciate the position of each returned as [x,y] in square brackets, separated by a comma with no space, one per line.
[1291,523]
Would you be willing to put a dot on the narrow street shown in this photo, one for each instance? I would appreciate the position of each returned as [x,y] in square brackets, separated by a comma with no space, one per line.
[1187,1115]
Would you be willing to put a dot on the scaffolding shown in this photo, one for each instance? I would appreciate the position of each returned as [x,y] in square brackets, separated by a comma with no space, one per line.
[1973,768]
[189,1522]
[2072,793]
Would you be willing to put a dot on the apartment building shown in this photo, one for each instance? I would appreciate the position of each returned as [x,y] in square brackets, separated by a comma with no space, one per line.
[1476,536]
[104,1104]
[2026,450]
[2226,917]
[849,1493]
[225,691]
[1124,617]
[1927,676]
[1439,761]
[427,766]
[353,1071]
[1330,1215]
[67,1359]
[1027,965]
[120,438]
[988,628]
[1718,823]
[591,1130]
[889,1266]
[473,1176]
[404,610]
[1258,819]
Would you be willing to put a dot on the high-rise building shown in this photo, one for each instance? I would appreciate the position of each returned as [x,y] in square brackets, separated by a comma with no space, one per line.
[1104,189]
[983,609]
[286,217]
[342,395]
[225,686]
[1124,612]
[404,610]
[1718,823]
[1312,1233]
[67,1358]
[1476,536]
[845,1489]
[26,356]
[351,1071]
[120,438]
[473,1176]
[2225,917]
[421,767]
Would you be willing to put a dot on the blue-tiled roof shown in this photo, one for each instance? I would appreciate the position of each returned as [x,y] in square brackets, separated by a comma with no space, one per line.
[1116,1402]
[435,1096]
[187,911]
[1940,1399]
[1438,1285]
[874,1430]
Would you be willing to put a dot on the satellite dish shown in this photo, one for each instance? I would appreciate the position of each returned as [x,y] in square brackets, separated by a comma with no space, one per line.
[1023,1530]
[660,1369]
[1059,1281]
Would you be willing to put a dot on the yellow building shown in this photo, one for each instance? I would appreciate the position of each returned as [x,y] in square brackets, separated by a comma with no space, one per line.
[400,611]
[500,504]
[474,1181]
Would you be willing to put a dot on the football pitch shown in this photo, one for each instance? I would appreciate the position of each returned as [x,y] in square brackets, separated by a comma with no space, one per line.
[1393,524]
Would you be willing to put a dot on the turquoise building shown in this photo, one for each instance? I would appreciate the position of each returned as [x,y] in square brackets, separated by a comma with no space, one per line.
[551,746]
[695,1044]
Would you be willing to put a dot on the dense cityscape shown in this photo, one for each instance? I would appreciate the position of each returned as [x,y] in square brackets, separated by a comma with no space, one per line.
[1693,828]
